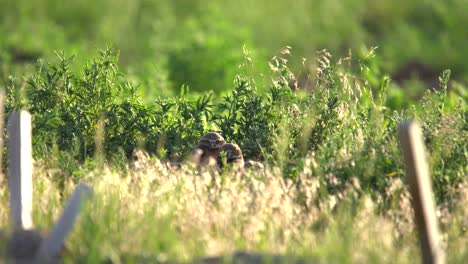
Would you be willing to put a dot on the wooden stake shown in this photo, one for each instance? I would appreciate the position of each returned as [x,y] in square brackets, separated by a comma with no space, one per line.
[417,173]
[52,245]
[20,169]
[2,112]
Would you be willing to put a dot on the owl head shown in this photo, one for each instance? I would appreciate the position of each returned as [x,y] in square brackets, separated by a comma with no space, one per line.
[211,141]
[233,153]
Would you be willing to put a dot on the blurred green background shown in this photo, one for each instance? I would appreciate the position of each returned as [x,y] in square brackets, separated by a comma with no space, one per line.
[167,43]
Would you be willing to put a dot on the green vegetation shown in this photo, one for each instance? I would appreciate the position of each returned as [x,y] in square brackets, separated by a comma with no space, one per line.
[331,152]
[344,116]
[166,72]
[165,43]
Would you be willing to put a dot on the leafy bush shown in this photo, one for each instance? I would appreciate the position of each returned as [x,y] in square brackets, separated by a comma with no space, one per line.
[67,107]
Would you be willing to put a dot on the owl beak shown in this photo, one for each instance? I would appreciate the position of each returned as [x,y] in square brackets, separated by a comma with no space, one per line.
[213,145]
[233,157]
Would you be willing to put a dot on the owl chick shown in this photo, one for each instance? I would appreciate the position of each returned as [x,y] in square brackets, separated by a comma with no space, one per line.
[233,155]
[140,160]
[209,145]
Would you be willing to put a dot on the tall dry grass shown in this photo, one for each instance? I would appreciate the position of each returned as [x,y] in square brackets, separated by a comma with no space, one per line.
[156,212]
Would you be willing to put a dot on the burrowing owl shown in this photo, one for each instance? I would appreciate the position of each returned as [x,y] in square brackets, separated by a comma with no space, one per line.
[139,160]
[233,155]
[209,145]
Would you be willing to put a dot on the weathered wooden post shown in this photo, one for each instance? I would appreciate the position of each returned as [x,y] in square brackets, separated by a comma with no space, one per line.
[2,112]
[53,244]
[417,173]
[26,244]
[20,169]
